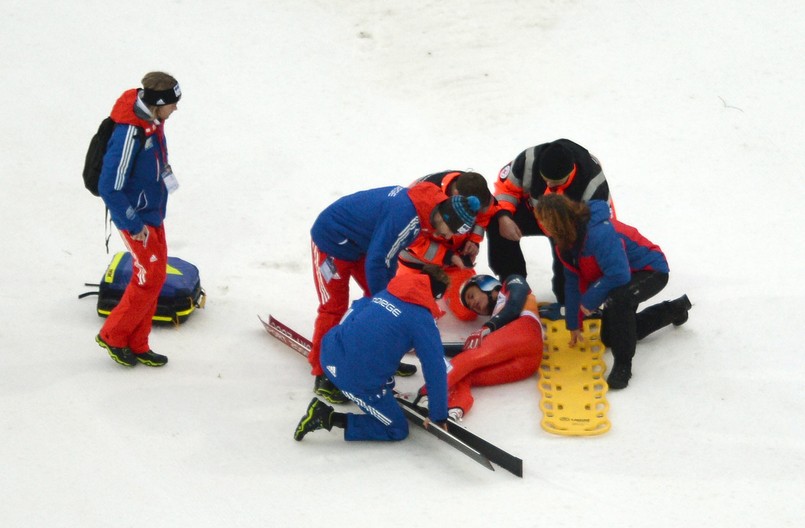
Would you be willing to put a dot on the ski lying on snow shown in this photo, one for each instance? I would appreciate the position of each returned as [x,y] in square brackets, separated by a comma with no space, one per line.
[302,345]
[415,417]
[507,461]
[290,337]
[490,451]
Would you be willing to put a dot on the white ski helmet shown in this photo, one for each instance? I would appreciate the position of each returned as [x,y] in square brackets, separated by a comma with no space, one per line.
[486,283]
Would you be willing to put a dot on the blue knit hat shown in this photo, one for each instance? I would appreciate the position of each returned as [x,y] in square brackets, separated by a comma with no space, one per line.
[459,213]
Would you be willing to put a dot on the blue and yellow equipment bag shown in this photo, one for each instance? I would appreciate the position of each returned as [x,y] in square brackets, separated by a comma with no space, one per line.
[180,296]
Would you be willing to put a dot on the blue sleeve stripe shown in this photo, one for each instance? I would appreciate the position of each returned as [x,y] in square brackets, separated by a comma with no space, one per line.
[402,240]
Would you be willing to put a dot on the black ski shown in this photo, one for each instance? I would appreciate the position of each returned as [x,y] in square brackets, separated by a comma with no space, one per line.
[495,454]
[486,449]
[415,417]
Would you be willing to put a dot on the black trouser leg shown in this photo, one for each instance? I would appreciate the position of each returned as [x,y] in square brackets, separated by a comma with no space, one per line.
[558,280]
[506,256]
[620,328]
[654,317]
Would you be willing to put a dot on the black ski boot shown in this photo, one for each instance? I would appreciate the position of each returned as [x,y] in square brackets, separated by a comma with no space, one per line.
[405,369]
[151,358]
[620,375]
[327,390]
[319,416]
[681,307]
[124,355]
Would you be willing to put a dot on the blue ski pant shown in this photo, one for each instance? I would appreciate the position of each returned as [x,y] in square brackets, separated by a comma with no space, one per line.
[383,420]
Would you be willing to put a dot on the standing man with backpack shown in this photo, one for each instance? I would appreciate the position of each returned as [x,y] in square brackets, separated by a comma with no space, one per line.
[134,182]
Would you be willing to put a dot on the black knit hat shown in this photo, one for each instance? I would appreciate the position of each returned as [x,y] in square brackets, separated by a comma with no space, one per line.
[556,162]
[459,213]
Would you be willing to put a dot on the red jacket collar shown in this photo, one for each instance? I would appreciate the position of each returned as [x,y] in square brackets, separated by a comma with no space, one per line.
[123,112]
[414,288]
[425,197]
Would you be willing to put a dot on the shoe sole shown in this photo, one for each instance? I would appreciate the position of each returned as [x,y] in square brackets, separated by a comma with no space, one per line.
[684,319]
[300,432]
[331,396]
[681,320]
[619,384]
[332,399]
[150,363]
[112,355]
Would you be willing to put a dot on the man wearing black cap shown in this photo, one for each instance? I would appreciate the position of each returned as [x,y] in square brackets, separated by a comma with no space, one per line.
[134,183]
[562,167]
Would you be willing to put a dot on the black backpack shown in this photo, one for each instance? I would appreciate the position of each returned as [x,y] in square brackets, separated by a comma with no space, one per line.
[97,148]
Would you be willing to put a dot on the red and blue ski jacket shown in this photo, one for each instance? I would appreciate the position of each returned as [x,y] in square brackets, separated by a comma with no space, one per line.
[131,177]
[514,300]
[609,252]
[363,352]
[376,224]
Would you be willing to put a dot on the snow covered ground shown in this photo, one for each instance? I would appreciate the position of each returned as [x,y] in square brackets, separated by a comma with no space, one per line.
[694,108]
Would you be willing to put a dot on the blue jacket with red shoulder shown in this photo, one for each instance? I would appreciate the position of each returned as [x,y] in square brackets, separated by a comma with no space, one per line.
[514,300]
[432,250]
[609,252]
[131,178]
[365,350]
[376,224]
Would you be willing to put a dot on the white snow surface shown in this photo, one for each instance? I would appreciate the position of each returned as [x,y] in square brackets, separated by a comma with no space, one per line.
[694,108]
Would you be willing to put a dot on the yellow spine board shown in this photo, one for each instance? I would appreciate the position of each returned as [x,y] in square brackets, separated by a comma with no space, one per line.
[572,381]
